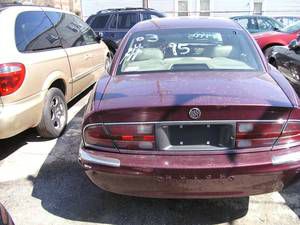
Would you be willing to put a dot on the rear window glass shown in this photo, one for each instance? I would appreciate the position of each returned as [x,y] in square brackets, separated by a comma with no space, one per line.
[72,30]
[127,20]
[100,22]
[189,50]
[34,31]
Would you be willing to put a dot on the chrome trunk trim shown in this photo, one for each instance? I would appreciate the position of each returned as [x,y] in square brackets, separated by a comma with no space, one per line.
[99,160]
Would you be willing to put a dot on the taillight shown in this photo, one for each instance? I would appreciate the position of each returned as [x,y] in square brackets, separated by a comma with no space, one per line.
[254,135]
[11,77]
[133,137]
[290,136]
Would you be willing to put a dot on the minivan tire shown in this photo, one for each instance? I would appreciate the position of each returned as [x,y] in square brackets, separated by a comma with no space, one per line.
[54,116]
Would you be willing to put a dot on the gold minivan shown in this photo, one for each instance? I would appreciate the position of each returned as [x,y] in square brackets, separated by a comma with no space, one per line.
[47,58]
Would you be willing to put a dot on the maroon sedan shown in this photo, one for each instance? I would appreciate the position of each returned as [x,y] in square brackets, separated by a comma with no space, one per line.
[190,109]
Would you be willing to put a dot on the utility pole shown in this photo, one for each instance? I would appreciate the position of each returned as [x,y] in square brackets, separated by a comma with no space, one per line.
[145,3]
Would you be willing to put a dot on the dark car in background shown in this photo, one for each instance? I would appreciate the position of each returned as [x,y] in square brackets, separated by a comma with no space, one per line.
[113,24]
[287,60]
[258,24]
[287,20]
[190,109]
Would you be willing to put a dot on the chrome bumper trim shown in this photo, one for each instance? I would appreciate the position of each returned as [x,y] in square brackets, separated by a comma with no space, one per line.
[286,159]
[99,160]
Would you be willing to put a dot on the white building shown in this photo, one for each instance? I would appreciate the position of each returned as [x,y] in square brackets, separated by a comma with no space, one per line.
[224,8]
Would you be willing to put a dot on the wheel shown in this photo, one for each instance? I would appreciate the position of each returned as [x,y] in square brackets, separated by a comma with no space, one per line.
[5,218]
[108,61]
[55,116]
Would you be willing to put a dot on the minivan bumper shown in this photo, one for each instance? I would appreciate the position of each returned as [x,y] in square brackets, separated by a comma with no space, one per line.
[191,176]
[19,116]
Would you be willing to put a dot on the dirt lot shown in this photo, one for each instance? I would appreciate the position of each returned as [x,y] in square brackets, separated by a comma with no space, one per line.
[41,183]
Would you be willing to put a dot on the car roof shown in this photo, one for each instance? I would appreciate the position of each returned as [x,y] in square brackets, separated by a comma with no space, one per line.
[250,16]
[117,10]
[186,22]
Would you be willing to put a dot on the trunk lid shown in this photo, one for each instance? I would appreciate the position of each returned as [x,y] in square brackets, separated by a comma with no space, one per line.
[169,97]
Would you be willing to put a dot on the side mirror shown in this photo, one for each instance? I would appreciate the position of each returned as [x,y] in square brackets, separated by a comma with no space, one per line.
[99,36]
[293,45]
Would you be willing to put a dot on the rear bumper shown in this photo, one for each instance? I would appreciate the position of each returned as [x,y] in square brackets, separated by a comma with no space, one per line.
[193,176]
[19,116]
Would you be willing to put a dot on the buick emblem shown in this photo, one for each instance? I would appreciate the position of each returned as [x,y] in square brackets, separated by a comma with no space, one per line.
[195,113]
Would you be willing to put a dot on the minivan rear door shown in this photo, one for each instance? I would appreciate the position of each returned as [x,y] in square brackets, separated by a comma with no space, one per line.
[82,48]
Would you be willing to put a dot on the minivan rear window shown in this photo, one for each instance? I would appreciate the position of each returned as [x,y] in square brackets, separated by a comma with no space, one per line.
[34,32]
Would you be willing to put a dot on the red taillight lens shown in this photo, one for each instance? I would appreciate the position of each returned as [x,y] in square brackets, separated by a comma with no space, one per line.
[254,135]
[290,136]
[133,137]
[11,77]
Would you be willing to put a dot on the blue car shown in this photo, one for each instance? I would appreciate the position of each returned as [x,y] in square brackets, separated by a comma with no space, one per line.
[113,24]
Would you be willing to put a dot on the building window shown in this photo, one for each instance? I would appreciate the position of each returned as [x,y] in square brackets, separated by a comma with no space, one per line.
[257,8]
[183,8]
[204,7]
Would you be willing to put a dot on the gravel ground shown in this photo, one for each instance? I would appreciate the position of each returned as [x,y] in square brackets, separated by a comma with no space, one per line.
[41,183]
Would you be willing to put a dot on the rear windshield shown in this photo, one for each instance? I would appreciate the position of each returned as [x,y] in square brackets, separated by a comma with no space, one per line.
[189,50]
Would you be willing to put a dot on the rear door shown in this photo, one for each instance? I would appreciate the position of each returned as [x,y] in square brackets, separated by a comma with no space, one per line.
[38,47]
[99,23]
[80,44]
[110,33]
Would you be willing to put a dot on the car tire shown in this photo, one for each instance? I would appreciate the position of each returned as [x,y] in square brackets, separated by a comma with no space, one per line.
[5,218]
[55,114]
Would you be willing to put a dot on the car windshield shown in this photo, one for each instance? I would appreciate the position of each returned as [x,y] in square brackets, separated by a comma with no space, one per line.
[292,28]
[189,50]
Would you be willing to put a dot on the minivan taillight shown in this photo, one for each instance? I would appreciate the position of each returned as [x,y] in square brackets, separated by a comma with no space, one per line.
[132,137]
[11,77]
[258,134]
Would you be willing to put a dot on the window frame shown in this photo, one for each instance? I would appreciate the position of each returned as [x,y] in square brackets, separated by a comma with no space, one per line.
[52,27]
[106,22]
[256,56]
[65,37]
[138,17]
